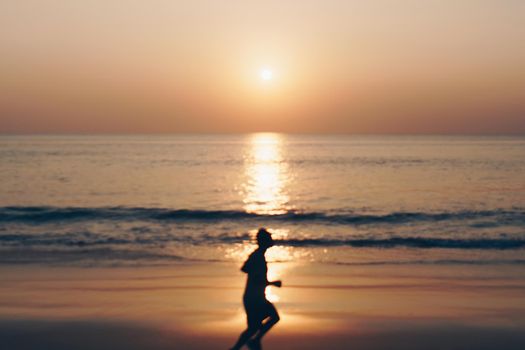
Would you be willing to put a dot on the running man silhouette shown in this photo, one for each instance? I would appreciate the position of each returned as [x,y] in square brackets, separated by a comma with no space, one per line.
[258,308]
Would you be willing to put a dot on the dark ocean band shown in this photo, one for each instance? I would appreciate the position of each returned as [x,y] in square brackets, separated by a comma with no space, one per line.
[35,215]
[86,240]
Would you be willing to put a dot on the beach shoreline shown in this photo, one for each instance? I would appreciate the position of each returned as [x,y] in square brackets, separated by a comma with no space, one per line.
[198,306]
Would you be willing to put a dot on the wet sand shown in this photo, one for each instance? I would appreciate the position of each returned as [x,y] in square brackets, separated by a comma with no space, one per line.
[198,306]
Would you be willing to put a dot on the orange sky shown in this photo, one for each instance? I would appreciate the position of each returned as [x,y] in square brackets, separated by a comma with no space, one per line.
[128,66]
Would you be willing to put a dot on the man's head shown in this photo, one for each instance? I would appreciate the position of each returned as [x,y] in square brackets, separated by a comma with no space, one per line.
[264,238]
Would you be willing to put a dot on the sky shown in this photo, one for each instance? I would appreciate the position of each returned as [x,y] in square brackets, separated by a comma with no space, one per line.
[337,66]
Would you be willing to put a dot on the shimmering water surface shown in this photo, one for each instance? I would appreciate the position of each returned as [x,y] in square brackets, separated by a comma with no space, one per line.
[335,199]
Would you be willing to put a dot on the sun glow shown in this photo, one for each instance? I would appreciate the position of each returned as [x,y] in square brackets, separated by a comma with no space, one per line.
[266,74]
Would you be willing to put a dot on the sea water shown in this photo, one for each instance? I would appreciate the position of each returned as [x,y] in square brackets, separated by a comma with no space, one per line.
[364,200]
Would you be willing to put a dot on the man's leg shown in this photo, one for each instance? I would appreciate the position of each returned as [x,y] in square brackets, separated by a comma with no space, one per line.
[267,325]
[244,337]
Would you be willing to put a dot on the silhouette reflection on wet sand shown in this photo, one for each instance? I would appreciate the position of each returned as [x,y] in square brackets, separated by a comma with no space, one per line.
[261,314]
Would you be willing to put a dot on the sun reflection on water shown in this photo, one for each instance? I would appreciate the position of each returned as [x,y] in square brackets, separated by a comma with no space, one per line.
[264,192]
[266,176]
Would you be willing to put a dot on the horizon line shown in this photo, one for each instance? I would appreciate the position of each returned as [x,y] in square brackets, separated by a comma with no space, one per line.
[459,134]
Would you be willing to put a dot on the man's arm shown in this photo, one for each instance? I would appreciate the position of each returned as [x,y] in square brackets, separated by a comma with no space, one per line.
[278,283]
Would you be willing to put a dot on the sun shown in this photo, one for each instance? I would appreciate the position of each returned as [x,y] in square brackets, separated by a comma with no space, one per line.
[266,74]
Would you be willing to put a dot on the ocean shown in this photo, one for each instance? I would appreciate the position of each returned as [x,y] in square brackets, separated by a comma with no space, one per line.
[346,200]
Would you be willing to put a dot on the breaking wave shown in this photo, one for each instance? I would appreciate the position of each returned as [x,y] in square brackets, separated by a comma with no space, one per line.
[35,215]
